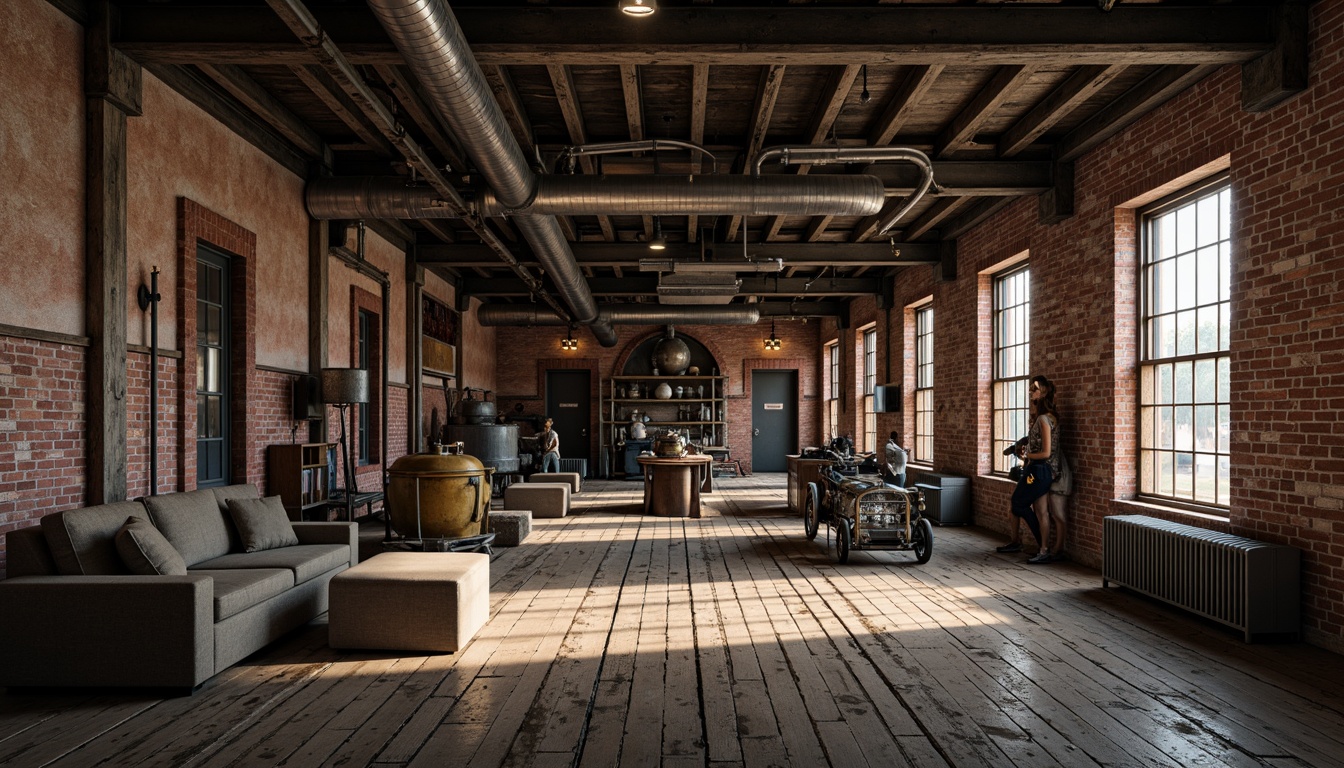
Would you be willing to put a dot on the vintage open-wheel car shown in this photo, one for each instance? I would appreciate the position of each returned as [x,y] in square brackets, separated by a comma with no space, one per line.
[866,513]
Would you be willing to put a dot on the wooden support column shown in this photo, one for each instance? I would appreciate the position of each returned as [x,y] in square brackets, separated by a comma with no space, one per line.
[1282,73]
[319,242]
[1056,203]
[112,91]
[415,288]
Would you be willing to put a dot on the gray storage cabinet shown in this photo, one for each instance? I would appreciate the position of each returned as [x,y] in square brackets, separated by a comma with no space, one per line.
[947,498]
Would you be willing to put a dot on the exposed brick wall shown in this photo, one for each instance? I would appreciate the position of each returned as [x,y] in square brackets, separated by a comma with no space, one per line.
[42,431]
[737,349]
[138,417]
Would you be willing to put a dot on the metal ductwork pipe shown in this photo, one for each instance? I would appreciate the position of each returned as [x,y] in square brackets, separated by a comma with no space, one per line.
[430,39]
[813,155]
[390,197]
[625,314]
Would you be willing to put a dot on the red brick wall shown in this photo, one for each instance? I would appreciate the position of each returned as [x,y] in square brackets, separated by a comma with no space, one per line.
[738,350]
[42,431]
[138,419]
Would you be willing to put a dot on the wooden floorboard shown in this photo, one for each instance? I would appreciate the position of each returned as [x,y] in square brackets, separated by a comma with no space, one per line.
[617,639]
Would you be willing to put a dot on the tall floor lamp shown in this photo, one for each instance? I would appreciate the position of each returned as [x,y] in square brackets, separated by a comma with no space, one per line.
[343,387]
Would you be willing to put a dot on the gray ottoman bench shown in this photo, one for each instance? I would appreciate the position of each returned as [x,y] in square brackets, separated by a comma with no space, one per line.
[410,601]
[544,499]
[510,526]
[572,478]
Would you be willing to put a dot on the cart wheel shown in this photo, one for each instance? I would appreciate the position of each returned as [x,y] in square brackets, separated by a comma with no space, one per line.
[923,540]
[810,512]
[842,541]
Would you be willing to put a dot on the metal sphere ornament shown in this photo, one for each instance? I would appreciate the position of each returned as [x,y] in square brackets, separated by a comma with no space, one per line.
[671,355]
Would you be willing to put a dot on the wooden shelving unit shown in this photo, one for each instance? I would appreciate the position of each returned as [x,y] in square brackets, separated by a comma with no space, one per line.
[300,475]
[701,414]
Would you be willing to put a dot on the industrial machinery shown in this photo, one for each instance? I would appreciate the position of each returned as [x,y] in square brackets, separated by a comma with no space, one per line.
[865,512]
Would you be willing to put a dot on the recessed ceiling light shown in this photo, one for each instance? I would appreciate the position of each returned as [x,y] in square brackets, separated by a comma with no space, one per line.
[639,7]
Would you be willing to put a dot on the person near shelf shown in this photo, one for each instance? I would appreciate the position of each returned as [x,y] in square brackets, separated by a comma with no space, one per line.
[894,455]
[549,441]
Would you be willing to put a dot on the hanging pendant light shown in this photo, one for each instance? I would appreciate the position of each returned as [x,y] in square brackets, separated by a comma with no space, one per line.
[773,343]
[638,8]
[658,243]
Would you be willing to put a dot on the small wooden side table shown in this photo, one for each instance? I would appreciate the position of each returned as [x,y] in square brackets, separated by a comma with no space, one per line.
[672,486]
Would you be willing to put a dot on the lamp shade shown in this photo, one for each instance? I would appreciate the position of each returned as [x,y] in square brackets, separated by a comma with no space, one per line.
[345,385]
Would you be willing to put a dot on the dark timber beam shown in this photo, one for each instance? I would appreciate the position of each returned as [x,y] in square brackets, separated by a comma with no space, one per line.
[279,117]
[1147,95]
[1083,84]
[1001,87]
[767,93]
[1056,204]
[647,285]
[699,105]
[961,178]
[985,35]
[1282,72]
[903,103]
[112,85]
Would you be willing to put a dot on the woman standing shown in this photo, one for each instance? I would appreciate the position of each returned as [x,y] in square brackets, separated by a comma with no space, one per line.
[1041,453]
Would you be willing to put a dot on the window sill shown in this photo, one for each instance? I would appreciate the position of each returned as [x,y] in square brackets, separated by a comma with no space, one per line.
[1166,511]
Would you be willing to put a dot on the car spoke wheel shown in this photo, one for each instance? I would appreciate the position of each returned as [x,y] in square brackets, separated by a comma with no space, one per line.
[810,512]
[923,540]
[843,538]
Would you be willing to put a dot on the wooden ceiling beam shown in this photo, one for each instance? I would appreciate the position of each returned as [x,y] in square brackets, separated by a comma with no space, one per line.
[629,255]
[937,213]
[699,106]
[767,92]
[506,95]
[325,88]
[242,87]
[647,285]
[1152,92]
[634,102]
[1083,84]
[903,103]
[1139,34]
[961,131]
[405,90]
[567,96]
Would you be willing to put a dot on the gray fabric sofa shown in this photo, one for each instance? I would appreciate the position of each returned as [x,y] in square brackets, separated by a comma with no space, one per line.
[74,615]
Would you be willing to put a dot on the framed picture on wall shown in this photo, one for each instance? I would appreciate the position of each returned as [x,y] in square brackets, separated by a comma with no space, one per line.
[438,339]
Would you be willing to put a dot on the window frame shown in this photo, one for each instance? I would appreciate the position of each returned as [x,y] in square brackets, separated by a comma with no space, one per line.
[869,387]
[832,358]
[1160,364]
[921,443]
[1009,399]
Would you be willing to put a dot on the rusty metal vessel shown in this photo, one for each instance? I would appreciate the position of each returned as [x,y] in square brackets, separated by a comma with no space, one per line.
[439,495]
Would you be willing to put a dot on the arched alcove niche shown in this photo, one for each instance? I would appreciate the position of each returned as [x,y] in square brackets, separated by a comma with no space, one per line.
[640,361]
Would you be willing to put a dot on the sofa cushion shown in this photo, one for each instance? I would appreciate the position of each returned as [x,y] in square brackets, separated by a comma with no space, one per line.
[146,552]
[262,523]
[306,561]
[222,495]
[192,523]
[236,590]
[83,541]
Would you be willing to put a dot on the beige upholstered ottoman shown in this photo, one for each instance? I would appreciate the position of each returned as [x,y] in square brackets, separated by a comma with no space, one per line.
[557,477]
[510,526]
[410,601]
[544,499]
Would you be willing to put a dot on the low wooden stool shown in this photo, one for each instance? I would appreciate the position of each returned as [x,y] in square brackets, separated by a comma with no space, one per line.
[544,499]
[510,526]
[410,601]
[573,478]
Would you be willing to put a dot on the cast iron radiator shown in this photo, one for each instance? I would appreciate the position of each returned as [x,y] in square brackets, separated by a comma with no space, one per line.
[1247,584]
[575,465]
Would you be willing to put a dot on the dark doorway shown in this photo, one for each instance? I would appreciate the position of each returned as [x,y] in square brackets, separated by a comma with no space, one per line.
[212,368]
[568,401]
[774,419]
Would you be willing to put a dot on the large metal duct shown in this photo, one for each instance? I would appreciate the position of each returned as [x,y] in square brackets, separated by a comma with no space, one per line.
[861,195]
[624,314]
[813,155]
[430,39]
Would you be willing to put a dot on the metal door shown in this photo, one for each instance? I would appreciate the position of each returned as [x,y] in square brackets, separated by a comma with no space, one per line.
[774,419]
[568,401]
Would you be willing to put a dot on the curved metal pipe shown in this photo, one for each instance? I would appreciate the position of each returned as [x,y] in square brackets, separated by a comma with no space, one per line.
[621,147]
[430,39]
[624,314]
[811,155]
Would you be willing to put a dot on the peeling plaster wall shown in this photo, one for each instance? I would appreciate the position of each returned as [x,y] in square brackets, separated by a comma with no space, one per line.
[390,258]
[177,150]
[42,169]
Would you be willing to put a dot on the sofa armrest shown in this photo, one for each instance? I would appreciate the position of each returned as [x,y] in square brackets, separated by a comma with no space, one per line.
[140,631]
[331,533]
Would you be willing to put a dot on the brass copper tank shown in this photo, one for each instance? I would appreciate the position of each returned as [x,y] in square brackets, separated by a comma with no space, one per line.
[439,496]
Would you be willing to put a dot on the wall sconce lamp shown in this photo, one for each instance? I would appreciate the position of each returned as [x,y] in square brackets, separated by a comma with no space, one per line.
[569,343]
[638,8]
[658,243]
[773,343]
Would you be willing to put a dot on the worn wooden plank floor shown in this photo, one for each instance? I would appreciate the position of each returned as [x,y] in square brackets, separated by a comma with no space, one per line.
[621,640]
